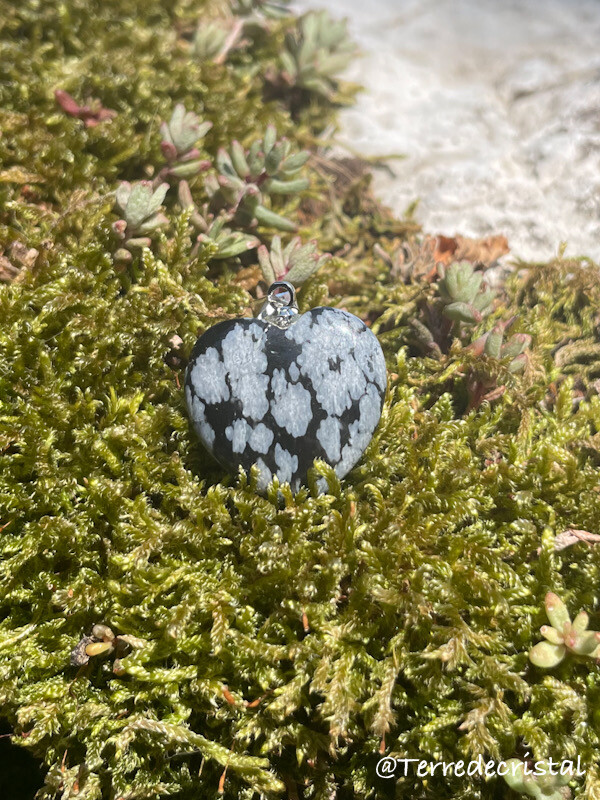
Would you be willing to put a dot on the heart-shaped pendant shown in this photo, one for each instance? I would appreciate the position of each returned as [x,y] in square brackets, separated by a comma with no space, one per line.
[284,388]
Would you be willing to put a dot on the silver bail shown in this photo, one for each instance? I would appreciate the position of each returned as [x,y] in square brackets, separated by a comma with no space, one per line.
[280,308]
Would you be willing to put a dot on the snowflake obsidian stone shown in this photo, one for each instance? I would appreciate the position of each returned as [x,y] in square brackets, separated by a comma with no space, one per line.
[280,397]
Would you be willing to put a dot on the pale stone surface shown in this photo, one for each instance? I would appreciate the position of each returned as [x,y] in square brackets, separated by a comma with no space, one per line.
[496,106]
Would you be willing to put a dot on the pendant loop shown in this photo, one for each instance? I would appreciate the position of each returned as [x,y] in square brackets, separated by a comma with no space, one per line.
[276,310]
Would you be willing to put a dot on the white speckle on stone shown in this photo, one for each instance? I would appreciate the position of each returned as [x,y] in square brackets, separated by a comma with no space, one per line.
[291,407]
[208,377]
[331,336]
[287,464]
[369,355]
[294,371]
[361,431]
[329,437]
[265,475]
[261,438]
[205,431]
[238,435]
[300,330]
[246,364]
[370,410]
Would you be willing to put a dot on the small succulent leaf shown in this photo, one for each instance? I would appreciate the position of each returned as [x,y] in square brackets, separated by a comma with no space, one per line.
[518,364]
[462,312]
[138,242]
[273,158]
[556,611]
[272,220]
[317,85]
[233,182]
[265,265]
[581,622]
[551,634]
[186,136]
[333,62]
[422,331]
[139,205]
[123,255]
[122,194]
[278,257]
[275,186]
[224,164]
[169,150]
[483,300]
[98,648]
[216,227]
[585,643]
[287,63]
[549,781]
[515,776]
[478,346]
[256,159]
[177,116]
[547,655]
[563,779]
[154,222]
[302,272]
[166,135]
[238,158]
[470,287]
[461,282]
[159,195]
[494,341]
[188,169]
[269,139]
[516,345]
[294,163]
[234,244]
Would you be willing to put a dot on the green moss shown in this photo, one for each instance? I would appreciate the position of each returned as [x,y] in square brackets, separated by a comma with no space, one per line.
[279,643]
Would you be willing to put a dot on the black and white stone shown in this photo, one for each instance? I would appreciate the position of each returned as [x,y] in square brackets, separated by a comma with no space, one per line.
[279,398]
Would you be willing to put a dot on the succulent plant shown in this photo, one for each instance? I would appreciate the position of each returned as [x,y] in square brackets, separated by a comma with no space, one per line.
[103,642]
[563,636]
[462,299]
[547,785]
[484,376]
[466,296]
[229,243]
[141,207]
[213,230]
[246,177]
[315,53]
[91,114]
[296,263]
[492,344]
[179,137]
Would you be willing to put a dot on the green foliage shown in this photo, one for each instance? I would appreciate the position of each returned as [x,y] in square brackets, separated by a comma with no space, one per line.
[141,206]
[296,262]
[563,635]
[247,177]
[179,137]
[544,784]
[464,297]
[316,53]
[165,630]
